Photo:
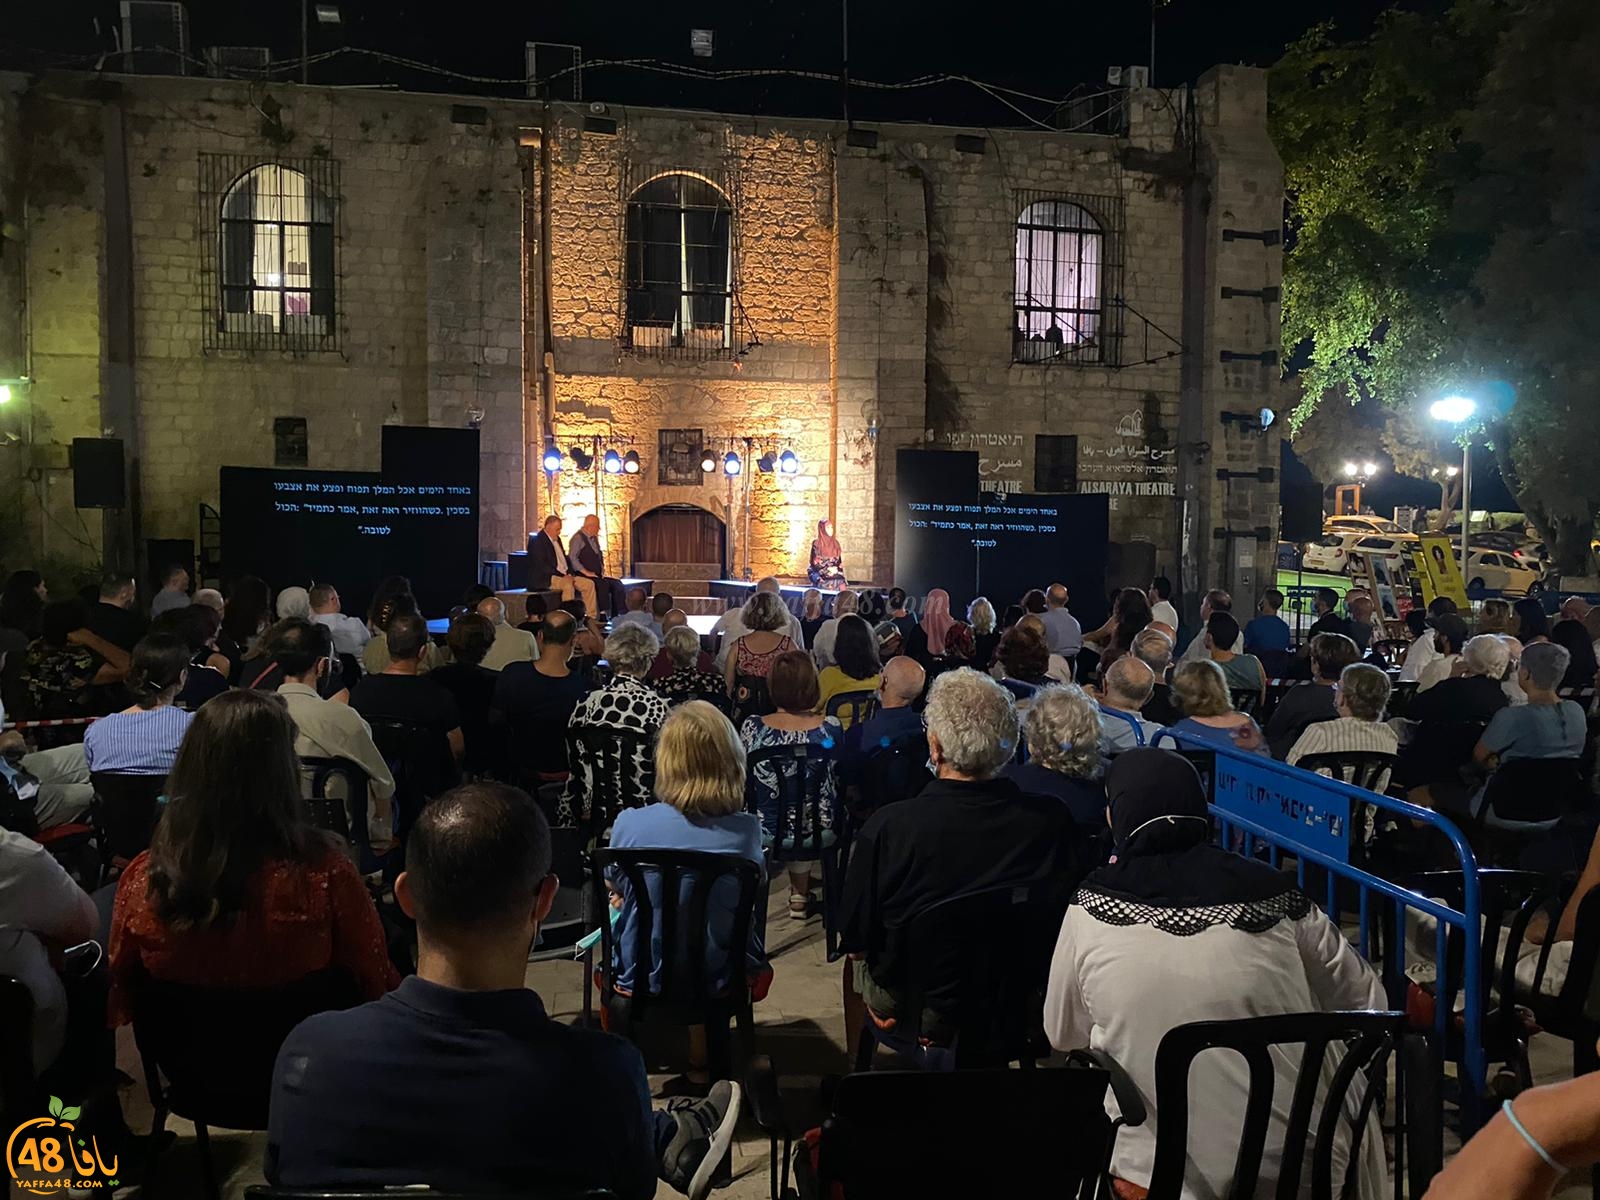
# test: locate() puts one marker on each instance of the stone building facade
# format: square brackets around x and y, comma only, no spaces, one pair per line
[479,268]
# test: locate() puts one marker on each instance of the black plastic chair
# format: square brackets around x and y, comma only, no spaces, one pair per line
[685,996]
[1245,700]
[342,810]
[260,1191]
[572,910]
[800,773]
[420,761]
[215,1048]
[1369,769]
[751,699]
[19,1094]
[1367,1038]
[611,769]
[971,1133]
[979,963]
[851,708]
[127,808]
[1532,791]
[894,771]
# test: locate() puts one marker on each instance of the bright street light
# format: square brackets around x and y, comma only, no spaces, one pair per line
[1453,410]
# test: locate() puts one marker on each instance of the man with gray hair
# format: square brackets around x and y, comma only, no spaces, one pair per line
[1062,632]
[1546,726]
[1214,601]
[1129,686]
[1154,649]
[967,830]
[510,643]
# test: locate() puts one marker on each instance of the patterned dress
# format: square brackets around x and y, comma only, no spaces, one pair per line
[625,703]
[758,735]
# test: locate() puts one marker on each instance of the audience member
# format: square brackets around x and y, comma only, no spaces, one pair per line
[1445,722]
[510,643]
[792,685]
[985,634]
[665,664]
[1242,672]
[872,608]
[700,772]
[400,693]
[375,655]
[1130,616]
[856,668]
[900,611]
[1508,681]
[350,634]
[536,699]
[1495,617]
[196,626]
[689,679]
[1571,636]
[464,1046]
[113,615]
[246,617]
[22,610]
[638,612]
[237,888]
[1305,704]
[1267,633]
[293,602]
[1362,629]
[1325,604]
[1545,727]
[900,687]
[754,652]
[1161,608]
[1533,623]
[144,739]
[890,642]
[1449,635]
[1423,649]
[1057,669]
[731,626]
[1591,626]
[967,830]
[1154,649]
[67,667]
[1034,603]
[925,640]
[1359,697]
[628,703]
[174,591]
[1062,732]
[326,728]
[1130,685]
[534,611]
[212,599]
[845,604]
[1214,601]
[1063,635]
[587,559]
[811,615]
[1202,694]
[1022,661]
[1139,955]
[472,685]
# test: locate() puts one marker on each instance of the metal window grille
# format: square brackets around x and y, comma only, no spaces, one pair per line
[678,457]
[680,265]
[1067,300]
[270,253]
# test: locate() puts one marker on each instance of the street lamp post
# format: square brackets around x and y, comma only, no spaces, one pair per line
[1457,411]
[1357,473]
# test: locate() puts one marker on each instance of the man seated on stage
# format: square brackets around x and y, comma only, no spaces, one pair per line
[548,569]
[587,559]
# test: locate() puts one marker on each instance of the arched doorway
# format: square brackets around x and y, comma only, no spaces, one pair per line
[680,534]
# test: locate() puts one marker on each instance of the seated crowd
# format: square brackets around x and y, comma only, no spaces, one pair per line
[938,757]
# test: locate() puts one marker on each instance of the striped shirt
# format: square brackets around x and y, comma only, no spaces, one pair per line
[1342,735]
[143,742]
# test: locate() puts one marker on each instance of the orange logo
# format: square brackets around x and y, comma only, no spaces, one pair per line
[46,1154]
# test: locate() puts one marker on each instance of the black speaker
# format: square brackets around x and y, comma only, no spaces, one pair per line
[98,477]
[1302,511]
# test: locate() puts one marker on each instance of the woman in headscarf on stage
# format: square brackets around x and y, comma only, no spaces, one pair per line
[1176,929]
[827,558]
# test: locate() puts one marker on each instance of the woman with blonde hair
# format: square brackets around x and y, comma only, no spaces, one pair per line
[812,618]
[1495,617]
[699,806]
[985,632]
[1201,691]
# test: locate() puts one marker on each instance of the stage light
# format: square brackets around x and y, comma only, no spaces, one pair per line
[766,462]
[630,462]
[731,464]
[708,460]
[613,463]
[552,458]
[581,459]
[789,463]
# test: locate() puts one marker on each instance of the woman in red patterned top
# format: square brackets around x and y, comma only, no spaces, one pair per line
[237,888]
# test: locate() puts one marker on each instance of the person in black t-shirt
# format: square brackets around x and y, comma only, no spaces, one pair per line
[113,617]
[399,693]
[473,686]
[1154,649]
[1306,704]
[1328,619]
[536,699]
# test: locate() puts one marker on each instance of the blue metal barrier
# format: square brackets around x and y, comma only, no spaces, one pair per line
[1256,798]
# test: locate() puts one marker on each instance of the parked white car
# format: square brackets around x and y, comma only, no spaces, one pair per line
[1332,553]
[1501,571]
[1354,523]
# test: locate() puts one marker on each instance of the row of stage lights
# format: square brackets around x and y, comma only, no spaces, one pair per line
[613,463]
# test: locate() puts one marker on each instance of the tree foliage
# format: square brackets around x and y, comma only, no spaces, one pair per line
[1443,210]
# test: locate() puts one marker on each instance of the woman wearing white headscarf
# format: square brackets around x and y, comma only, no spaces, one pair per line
[1176,930]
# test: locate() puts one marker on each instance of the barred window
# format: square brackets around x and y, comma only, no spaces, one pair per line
[273,253]
[1060,303]
[679,266]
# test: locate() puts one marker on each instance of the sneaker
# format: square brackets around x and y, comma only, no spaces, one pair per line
[701,1145]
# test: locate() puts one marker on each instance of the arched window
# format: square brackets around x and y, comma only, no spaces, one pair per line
[276,253]
[1060,312]
[679,265]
